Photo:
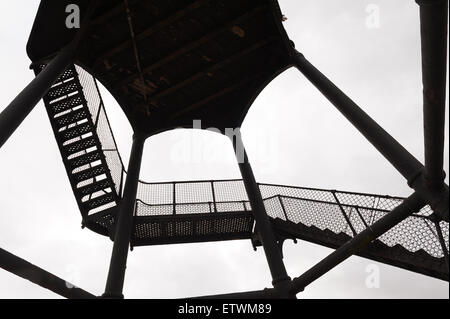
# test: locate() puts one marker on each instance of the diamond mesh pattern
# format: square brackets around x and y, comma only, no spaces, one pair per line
[193,192]
[320,215]
[102,127]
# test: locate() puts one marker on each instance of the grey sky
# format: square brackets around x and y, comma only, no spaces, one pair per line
[293,136]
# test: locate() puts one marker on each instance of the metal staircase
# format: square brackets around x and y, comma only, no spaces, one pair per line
[79,144]
[200,211]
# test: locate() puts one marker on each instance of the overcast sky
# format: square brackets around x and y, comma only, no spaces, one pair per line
[293,136]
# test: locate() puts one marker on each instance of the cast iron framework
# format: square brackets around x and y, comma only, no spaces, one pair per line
[411,233]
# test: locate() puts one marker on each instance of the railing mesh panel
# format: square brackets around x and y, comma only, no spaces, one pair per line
[103,128]
[337,211]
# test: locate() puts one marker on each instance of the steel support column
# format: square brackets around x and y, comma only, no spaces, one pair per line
[281,280]
[409,206]
[14,114]
[433,31]
[393,151]
[124,223]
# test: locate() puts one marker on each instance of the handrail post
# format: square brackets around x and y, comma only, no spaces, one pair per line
[347,219]
[282,207]
[174,199]
[214,197]
[124,222]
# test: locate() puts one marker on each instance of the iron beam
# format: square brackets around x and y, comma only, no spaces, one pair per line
[274,258]
[393,151]
[410,205]
[39,276]
[124,223]
[14,114]
[433,31]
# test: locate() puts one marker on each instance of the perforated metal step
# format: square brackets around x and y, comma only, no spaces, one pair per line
[80,147]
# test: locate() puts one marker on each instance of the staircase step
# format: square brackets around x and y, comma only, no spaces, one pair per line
[84,159]
[80,145]
[70,72]
[66,104]
[74,132]
[88,173]
[71,117]
[62,90]
[95,187]
[99,201]
[67,74]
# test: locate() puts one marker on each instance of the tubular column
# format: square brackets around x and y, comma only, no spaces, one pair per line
[281,280]
[124,223]
[433,31]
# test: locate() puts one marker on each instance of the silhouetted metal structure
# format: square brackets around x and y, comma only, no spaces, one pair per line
[169,63]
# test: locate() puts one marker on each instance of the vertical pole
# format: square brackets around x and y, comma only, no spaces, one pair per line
[124,222]
[14,114]
[433,31]
[278,271]
[174,199]
[214,196]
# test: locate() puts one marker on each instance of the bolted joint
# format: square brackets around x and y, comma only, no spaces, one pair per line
[283,288]
[434,181]
[434,194]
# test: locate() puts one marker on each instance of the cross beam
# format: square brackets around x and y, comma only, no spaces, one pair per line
[39,276]
[409,206]
[393,151]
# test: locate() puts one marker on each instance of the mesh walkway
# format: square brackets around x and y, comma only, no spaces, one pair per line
[182,212]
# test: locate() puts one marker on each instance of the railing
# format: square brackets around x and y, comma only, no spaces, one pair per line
[338,211]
